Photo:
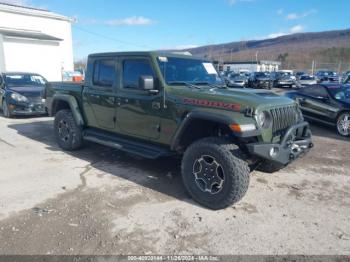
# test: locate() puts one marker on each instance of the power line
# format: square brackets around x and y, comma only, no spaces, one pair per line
[109,38]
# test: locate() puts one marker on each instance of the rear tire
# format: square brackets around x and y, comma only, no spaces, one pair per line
[214,173]
[68,134]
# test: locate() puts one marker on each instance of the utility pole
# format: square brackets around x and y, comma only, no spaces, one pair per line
[339,67]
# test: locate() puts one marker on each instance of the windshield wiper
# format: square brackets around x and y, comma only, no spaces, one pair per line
[188,84]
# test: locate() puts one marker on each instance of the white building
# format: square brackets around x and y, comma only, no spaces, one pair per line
[255,66]
[35,40]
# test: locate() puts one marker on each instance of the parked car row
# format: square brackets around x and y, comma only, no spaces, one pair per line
[281,79]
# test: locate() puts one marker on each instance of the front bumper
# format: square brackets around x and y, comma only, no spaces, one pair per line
[295,143]
[285,83]
[264,84]
[237,84]
[27,109]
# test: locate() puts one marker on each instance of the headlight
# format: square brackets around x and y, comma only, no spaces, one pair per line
[264,119]
[18,97]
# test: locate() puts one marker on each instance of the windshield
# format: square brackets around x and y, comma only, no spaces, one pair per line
[261,74]
[307,78]
[232,76]
[14,80]
[340,92]
[184,70]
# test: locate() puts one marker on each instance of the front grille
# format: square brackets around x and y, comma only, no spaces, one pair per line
[284,117]
[35,100]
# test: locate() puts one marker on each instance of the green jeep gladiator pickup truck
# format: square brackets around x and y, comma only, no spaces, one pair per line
[156,104]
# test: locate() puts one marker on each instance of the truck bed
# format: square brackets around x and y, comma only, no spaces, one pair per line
[68,88]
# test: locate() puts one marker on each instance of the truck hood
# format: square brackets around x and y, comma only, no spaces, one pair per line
[28,91]
[245,98]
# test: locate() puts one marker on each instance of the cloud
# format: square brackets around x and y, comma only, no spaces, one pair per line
[295,16]
[129,21]
[274,35]
[297,29]
[293,30]
[233,2]
[180,47]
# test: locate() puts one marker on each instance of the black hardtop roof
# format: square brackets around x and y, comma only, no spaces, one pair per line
[146,53]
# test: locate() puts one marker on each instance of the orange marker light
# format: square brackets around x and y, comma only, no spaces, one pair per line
[236,128]
[242,128]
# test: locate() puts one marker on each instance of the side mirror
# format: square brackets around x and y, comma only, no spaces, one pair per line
[146,83]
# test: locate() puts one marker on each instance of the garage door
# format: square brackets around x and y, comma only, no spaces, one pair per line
[36,56]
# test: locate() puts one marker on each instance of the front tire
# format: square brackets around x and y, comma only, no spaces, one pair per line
[214,173]
[6,110]
[68,134]
[343,124]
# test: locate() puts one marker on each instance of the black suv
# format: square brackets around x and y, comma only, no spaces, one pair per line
[260,80]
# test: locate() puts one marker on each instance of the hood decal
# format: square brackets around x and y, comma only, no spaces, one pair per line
[216,104]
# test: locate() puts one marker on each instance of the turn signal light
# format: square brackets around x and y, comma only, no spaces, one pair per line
[242,128]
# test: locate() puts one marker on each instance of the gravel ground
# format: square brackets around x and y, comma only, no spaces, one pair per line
[101,201]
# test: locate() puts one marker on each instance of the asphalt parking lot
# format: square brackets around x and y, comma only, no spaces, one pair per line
[101,201]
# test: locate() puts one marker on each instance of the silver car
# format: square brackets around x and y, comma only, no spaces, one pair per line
[306,80]
[237,80]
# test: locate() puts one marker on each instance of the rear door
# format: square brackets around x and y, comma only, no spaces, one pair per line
[99,96]
[138,112]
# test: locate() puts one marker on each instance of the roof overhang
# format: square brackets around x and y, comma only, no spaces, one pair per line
[27,34]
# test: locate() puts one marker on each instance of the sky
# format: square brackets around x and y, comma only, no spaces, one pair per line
[128,25]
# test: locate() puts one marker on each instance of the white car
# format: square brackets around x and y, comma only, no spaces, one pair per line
[306,80]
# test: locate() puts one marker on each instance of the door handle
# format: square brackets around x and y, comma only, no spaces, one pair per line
[95,96]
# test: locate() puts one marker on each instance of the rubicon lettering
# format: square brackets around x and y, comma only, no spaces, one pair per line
[218,104]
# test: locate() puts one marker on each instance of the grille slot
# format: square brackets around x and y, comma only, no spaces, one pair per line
[284,117]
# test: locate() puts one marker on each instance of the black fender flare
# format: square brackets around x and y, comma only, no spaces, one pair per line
[197,115]
[73,104]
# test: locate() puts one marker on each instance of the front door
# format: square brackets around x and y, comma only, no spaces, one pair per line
[315,102]
[138,111]
[100,96]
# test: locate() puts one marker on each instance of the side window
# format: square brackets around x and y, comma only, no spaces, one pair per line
[133,69]
[315,91]
[104,72]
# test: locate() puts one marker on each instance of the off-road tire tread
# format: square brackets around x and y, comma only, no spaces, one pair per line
[77,142]
[239,172]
